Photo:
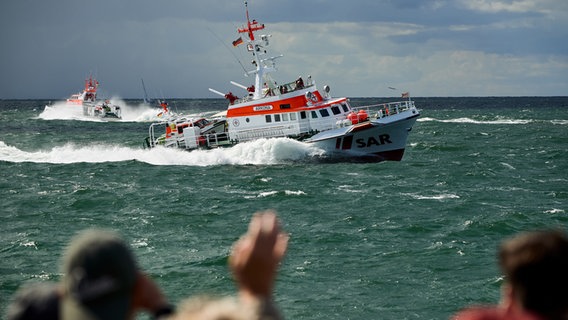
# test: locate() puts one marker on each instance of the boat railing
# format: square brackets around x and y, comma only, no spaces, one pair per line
[217,139]
[279,90]
[295,85]
[258,133]
[382,110]
[371,112]
[153,141]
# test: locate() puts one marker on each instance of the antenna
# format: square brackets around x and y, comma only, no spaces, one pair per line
[251,34]
[232,53]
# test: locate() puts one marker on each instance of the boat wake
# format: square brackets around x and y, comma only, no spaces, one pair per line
[130,113]
[61,111]
[259,152]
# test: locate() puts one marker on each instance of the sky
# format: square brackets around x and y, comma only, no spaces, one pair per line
[359,48]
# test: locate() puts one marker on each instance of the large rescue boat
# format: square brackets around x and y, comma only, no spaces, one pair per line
[87,99]
[297,109]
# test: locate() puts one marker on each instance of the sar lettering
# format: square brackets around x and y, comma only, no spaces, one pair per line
[372,141]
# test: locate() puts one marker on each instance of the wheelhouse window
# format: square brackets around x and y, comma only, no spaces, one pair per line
[314,114]
[268,118]
[293,116]
[345,107]
[303,115]
[324,113]
[284,117]
[335,109]
[276,118]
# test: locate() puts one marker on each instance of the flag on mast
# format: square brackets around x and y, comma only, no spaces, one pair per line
[238,41]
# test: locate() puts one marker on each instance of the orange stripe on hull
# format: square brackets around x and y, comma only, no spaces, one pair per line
[285,105]
[75,102]
[293,104]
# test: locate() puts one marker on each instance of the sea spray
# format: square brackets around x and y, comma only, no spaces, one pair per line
[262,151]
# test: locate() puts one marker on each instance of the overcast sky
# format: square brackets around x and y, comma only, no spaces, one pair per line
[358,47]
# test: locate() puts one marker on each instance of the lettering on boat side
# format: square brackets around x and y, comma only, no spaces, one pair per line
[262,108]
[371,141]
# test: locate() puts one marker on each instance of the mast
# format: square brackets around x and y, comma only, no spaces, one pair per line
[257,48]
[146,100]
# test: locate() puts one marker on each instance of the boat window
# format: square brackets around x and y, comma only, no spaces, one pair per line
[285,106]
[284,117]
[247,120]
[335,109]
[324,113]
[345,107]
[303,115]
[314,114]
[268,118]
[277,118]
[293,116]
[201,123]
[180,127]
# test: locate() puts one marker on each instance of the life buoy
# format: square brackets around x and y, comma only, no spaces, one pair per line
[362,115]
[353,118]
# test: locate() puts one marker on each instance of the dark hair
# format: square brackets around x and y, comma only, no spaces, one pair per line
[536,266]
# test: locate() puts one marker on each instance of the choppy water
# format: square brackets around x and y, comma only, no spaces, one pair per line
[396,240]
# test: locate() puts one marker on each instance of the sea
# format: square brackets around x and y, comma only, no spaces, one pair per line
[414,239]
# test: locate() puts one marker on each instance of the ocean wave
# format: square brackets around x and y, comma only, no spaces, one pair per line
[265,194]
[473,121]
[130,113]
[554,211]
[434,197]
[294,193]
[262,151]
[61,111]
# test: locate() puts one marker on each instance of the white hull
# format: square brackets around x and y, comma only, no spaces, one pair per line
[380,137]
[109,111]
[371,139]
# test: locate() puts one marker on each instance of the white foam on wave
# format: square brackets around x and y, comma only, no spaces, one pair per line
[554,211]
[469,120]
[435,197]
[265,194]
[507,165]
[263,151]
[130,113]
[62,111]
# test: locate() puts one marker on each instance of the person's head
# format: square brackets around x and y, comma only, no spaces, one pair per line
[99,277]
[34,302]
[536,269]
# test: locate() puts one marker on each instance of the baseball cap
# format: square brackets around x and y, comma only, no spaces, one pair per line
[99,276]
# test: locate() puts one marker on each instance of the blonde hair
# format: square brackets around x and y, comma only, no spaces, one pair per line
[208,308]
